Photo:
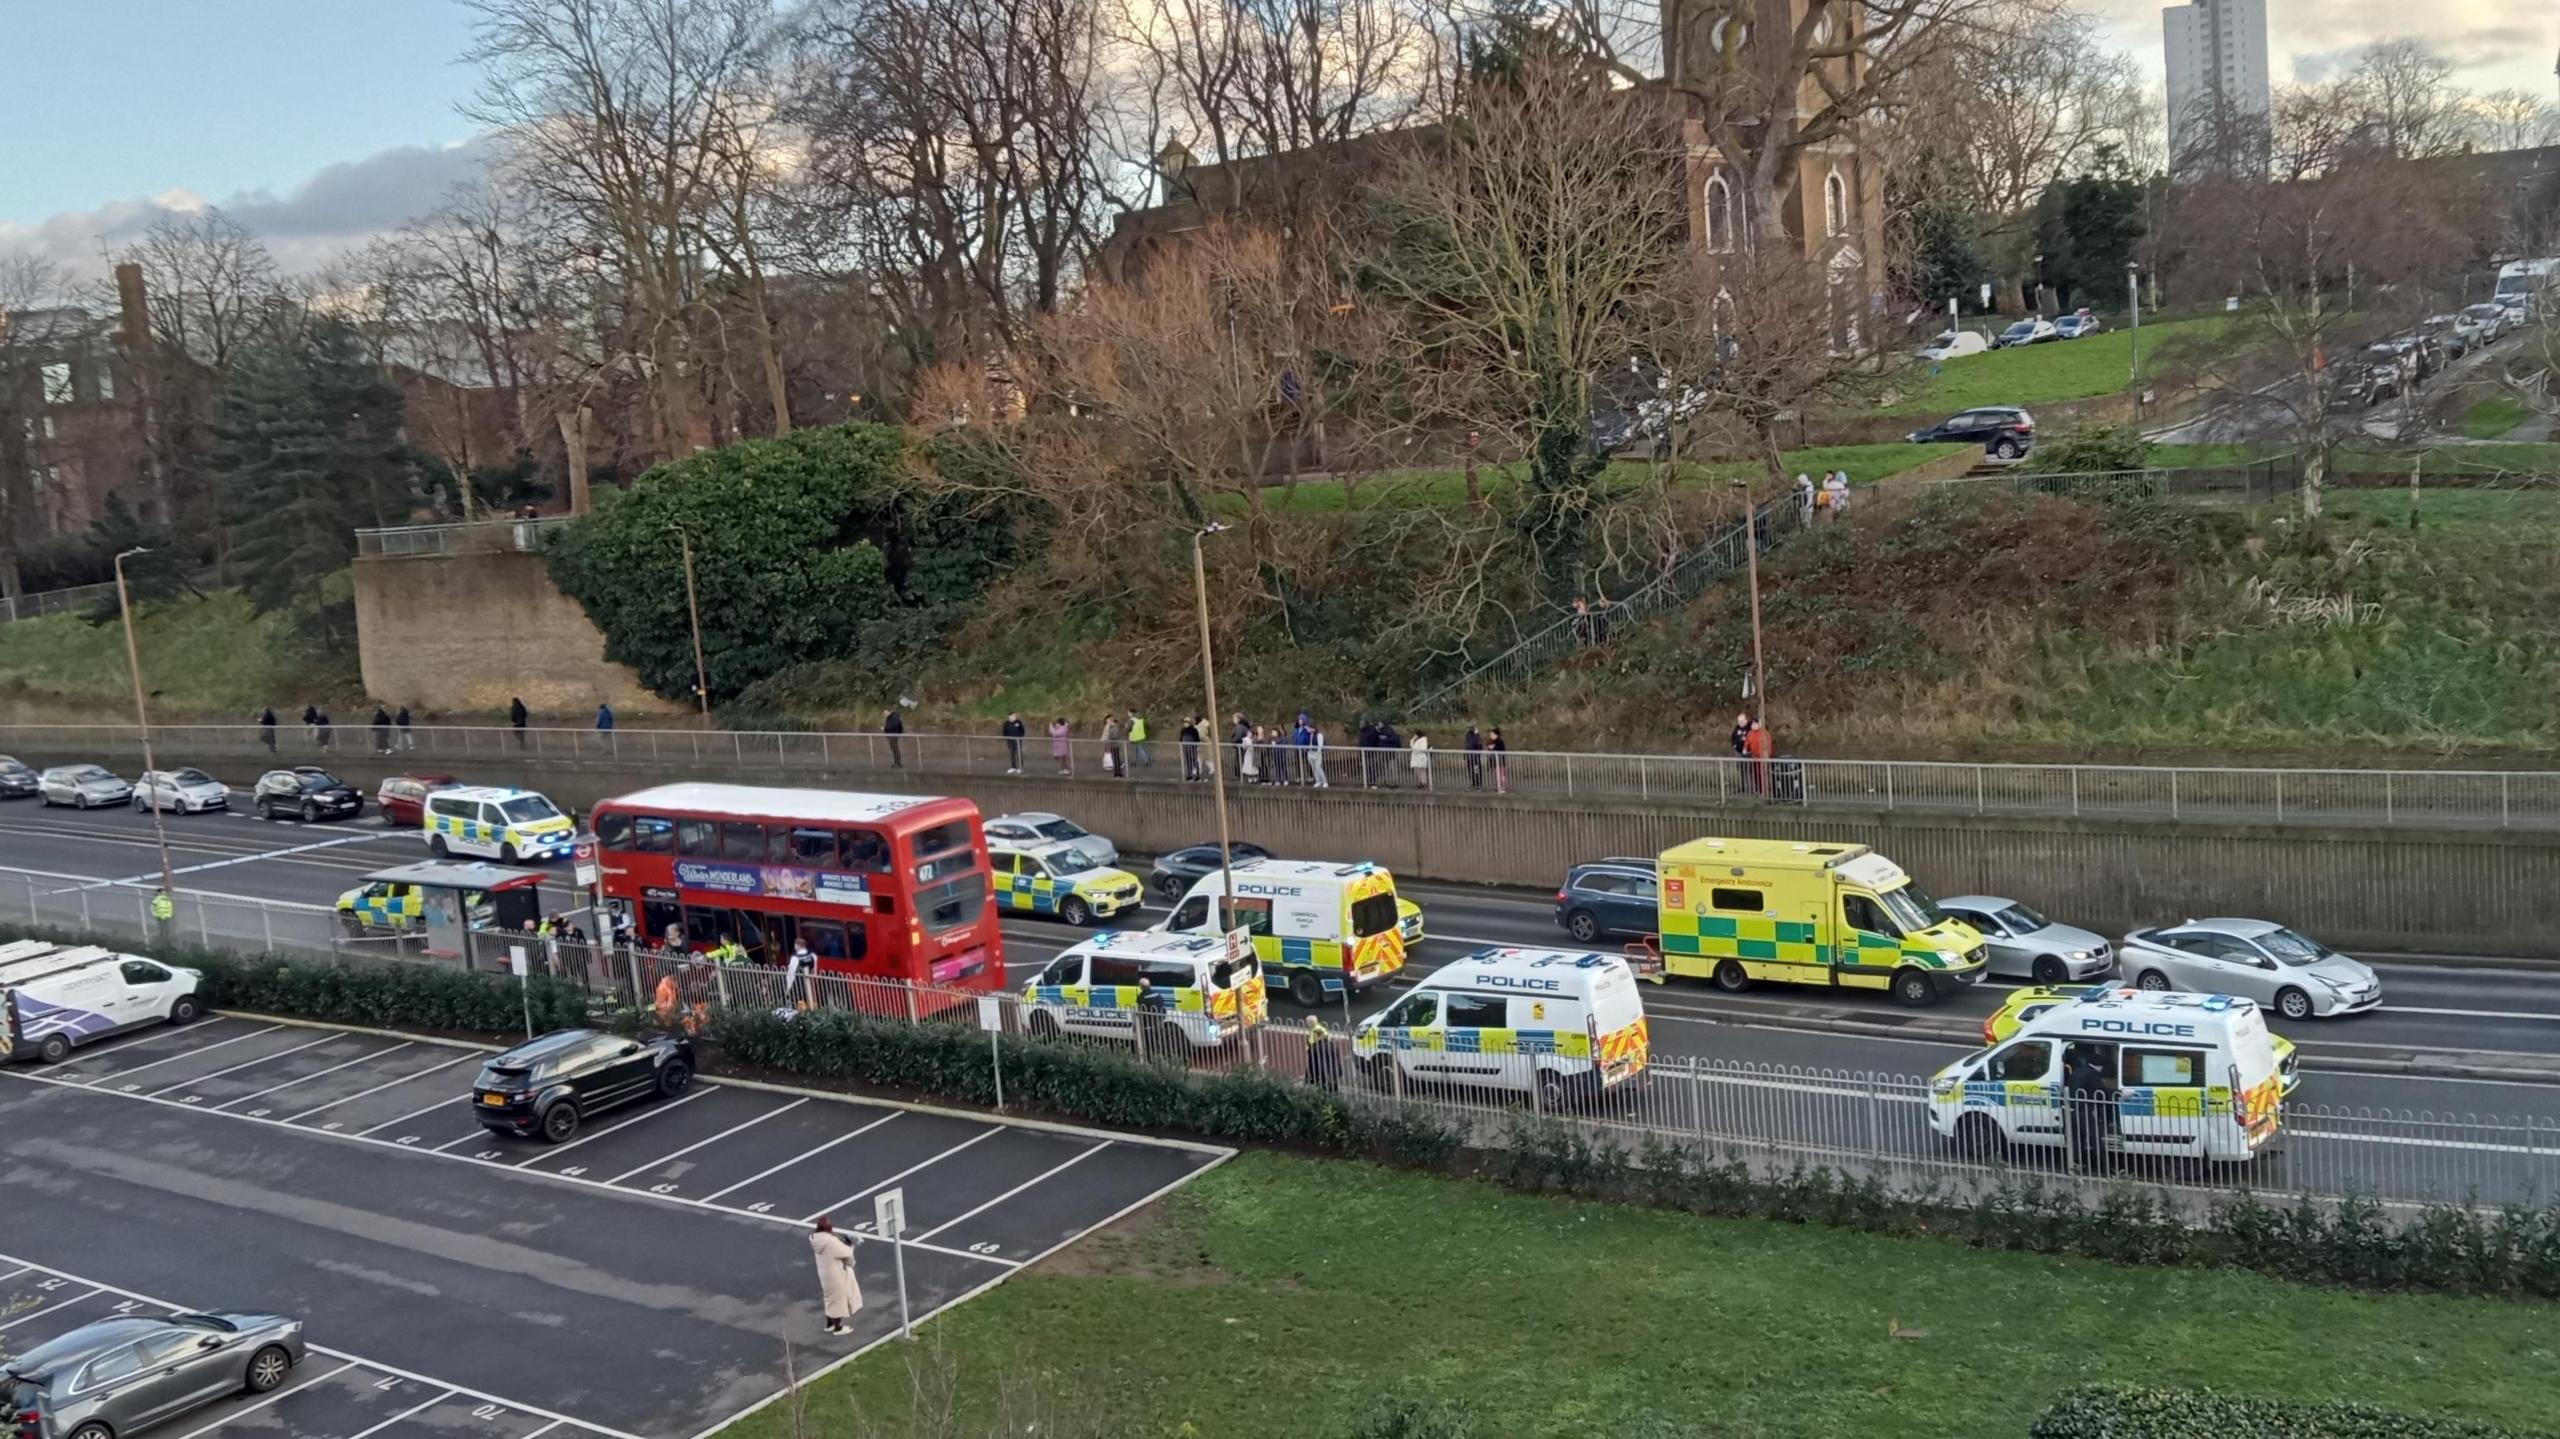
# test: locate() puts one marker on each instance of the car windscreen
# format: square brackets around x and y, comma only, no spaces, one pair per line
[1071,861]
[86,772]
[1912,908]
[1374,915]
[2021,920]
[319,779]
[527,809]
[2291,948]
[1061,829]
[189,776]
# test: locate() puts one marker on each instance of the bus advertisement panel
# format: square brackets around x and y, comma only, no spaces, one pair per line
[879,886]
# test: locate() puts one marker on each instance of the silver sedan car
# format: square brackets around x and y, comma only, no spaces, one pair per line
[1034,828]
[2294,975]
[109,1379]
[179,791]
[82,786]
[2026,945]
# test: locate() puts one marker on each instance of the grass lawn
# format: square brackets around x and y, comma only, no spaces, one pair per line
[2481,459]
[1280,1297]
[204,658]
[2493,417]
[1447,489]
[2041,374]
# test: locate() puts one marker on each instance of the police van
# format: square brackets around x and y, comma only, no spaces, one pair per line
[1567,1025]
[55,998]
[497,823]
[2194,1075]
[1176,989]
[398,908]
[1324,926]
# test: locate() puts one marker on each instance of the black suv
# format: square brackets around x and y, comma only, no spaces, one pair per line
[1610,896]
[17,781]
[306,792]
[2004,431]
[549,1086]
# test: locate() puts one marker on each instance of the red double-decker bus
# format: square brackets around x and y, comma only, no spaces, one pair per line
[882,886]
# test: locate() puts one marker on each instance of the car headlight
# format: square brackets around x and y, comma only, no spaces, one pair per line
[2084,954]
[1949,956]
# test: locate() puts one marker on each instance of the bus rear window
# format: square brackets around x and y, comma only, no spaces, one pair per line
[948,906]
[944,838]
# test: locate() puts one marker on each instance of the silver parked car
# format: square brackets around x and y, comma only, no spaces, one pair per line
[81,786]
[1034,828]
[2026,945]
[2296,976]
[109,1379]
[179,791]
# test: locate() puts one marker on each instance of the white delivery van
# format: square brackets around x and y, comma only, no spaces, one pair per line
[56,1000]
[1316,926]
[1568,1025]
[2194,1075]
[1184,988]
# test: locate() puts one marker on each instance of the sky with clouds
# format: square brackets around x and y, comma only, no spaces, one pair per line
[321,123]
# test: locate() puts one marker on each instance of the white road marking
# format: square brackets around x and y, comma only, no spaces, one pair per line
[403,1119]
[306,1079]
[244,1064]
[812,1216]
[430,1404]
[805,1154]
[650,1113]
[386,1084]
[1017,1189]
[182,1054]
[47,1308]
[153,876]
[256,1405]
[697,1144]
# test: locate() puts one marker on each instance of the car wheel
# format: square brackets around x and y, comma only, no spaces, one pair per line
[2154,981]
[1583,925]
[1380,1071]
[268,1368]
[185,1009]
[310,812]
[2005,449]
[1076,912]
[55,1049]
[1551,1096]
[435,846]
[352,926]
[2048,970]
[1170,887]
[1914,988]
[93,1430]
[559,1122]
[674,1078]
[139,804]
[1978,1137]
[1732,978]
[506,854]
[2293,1003]
[1306,989]
[265,810]
[1043,1026]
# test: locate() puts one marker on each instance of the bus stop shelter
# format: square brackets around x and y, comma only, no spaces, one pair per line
[514,897]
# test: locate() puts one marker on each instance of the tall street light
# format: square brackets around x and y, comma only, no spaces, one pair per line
[142,719]
[2133,292]
[1751,547]
[1217,762]
[693,612]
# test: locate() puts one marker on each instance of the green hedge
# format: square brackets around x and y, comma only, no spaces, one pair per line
[2126,1411]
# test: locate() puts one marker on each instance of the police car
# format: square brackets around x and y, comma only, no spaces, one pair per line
[503,824]
[1058,878]
[395,908]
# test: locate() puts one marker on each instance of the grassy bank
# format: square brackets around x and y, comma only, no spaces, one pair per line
[206,658]
[1447,489]
[1228,1312]
[2042,374]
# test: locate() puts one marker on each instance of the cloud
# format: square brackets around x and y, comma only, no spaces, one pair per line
[334,211]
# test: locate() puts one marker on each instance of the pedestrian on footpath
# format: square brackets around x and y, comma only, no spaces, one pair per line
[1475,758]
[839,1291]
[311,724]
[1248,763]
[1368,754]
[517,714]
[1060,749]
[1300,740]
[1324,1062]
[1315,757]
[1421,760]
[267,728]
[604,717]
[381,730]
[1191,748]
[1741,735]
[1140,752]
[1390,753]
[1242,731]
[1013,733]
[324,729]
[408,740]
[1760,746]
[1835,492]
[892,725]
[1111,744]
[1500,754]
[1804,499]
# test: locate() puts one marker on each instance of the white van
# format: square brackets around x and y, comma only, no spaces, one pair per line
[55,999]
[506,825]
[1319,925]
[1569,1025]
[1184,988]
[2194,1075]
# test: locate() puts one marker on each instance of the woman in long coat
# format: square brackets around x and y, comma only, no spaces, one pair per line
[841,1291]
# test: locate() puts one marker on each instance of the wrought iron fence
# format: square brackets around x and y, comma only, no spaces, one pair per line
[475,537]
[2492,799]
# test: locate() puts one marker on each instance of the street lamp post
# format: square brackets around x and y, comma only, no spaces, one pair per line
[1751,548]
[1217,762]
[2133,292]
[142,720]
[693,612]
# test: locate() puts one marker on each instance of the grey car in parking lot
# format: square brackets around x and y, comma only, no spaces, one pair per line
[117,1376]
[2026,945]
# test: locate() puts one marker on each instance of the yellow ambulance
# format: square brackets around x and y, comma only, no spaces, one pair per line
[1789,912]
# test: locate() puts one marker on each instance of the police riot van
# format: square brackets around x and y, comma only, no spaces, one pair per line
[499,823]
[55,998]
[1169,990]
[2194,1075]
[1324,926]
[1567,1025]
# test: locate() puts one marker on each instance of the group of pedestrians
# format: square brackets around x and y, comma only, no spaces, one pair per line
[1830,497]
[1752,745]
[1301,754]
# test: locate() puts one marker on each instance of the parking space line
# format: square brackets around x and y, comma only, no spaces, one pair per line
[430,1404]
[812,1216]
[14,1273]
[697,1144]
[536,1434]
[182,1054]
[404,1118]
[1017,1189]
[804,1154]
[244,1064]
[280,1393]
[44,1309]
[377,1089]
[698,1092]
[306,1079]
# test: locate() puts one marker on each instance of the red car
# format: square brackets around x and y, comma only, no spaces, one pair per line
[404,796]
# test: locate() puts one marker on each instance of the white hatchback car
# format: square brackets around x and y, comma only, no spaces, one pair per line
[180,791]
[2288,972]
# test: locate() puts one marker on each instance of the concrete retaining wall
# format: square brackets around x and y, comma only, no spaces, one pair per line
[468,632]
[2477,892]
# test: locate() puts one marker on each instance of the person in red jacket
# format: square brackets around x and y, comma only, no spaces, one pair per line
[1759,745]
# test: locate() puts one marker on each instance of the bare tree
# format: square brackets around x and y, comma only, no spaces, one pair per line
[211,283]
[2403,97]
[2512,120]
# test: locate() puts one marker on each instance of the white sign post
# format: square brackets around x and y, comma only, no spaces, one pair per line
[889,1214]
[524,985]
[991,1019]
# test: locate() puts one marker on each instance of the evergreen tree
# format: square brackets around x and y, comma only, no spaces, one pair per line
[2087,227]
[308,450]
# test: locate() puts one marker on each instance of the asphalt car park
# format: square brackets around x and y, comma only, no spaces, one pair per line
[643,1279]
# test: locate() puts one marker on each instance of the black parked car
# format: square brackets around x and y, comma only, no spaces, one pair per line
[1610,896]
[17,780]
[550,1086]
[2004,431]
[306,792]
[1173,873]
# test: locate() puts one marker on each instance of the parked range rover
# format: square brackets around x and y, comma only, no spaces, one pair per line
[550,1086]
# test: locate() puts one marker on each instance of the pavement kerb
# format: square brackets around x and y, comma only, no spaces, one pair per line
[798,1091]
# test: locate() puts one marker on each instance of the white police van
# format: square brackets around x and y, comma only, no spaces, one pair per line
[1567,1025]
[55,998]
[2194,1075]
[1196,991]
[503,824]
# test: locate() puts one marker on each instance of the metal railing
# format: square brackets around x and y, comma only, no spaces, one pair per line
[2455,799]
[1764,1121]
[55,602]
[477,537]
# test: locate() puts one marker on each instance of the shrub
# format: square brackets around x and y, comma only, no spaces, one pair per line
[2126,1411]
